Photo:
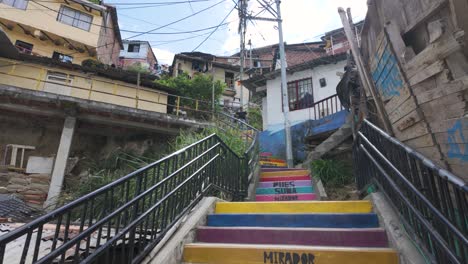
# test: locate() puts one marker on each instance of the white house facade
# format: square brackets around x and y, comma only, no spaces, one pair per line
[305,88]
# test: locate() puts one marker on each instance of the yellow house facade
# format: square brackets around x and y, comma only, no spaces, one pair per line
[70,31]
[81,85]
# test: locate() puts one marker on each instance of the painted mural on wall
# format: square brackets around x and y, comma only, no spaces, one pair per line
[273,139]
[385,70]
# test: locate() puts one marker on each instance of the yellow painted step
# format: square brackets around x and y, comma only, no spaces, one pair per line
[293,207]
[284,173]
[271,254]
[273,163]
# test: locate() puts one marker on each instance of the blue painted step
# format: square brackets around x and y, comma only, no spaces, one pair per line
[289,190]
[296,220]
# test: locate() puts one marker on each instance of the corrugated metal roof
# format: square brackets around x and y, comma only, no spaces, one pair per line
[14,208]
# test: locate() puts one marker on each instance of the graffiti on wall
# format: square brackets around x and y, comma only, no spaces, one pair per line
[455,150]
[386,72]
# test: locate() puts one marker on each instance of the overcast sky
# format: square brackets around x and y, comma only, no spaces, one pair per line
[304,20]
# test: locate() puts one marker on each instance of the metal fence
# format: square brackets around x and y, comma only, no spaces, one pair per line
[326,107]
[431,201]
[124,220]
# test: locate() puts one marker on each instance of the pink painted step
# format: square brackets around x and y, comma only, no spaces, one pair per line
[279,169]
[286,197]
[285,178]
[285,184]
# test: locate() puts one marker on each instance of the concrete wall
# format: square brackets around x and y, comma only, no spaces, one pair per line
[43,18]
[33,77]
[274,98]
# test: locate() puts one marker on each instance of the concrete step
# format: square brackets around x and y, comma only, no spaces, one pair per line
[274,254]
[285,178]
[283,190]
[285,184]
[286,197]
[308,207]
[295,220]
[339,237]
[284,173]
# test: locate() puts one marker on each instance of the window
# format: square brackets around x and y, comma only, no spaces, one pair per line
[62,57]
[229,79]
[300,94]
[24,47]
[75,18]
[257,64]
[20,4]
[58,83]
[133,48]
[323,82]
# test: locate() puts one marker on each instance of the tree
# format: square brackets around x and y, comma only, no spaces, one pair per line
[139,67]
[200,87]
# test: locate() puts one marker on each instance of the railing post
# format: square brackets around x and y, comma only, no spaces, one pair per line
[178,105]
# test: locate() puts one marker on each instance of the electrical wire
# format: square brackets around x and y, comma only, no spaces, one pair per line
[212,32]
[176,21]
[176,33]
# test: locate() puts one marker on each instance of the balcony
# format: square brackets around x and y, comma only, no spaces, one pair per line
[77,84]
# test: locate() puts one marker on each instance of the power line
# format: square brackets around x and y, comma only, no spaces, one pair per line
[196,13]
[216,28]
[176,33]
[156,3]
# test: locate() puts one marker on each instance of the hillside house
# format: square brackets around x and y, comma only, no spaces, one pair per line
[224,69]
[52,110]
[68,31]
[313,70]
[136,52]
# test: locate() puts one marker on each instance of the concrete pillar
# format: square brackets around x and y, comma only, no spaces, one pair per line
[58,173]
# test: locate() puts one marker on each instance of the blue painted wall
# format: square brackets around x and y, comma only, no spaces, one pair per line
[273,140]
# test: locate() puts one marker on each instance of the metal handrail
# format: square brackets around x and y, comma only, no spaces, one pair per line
[139,208]
[431,201]
[329,105]
[442,172]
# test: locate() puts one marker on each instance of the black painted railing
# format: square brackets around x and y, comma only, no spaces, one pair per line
[327,106]
[430,200]
[124,220]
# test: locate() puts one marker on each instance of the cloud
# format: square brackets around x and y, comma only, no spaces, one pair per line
[164,56]
[303,20]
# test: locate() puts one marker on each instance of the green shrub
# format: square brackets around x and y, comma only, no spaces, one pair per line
[333,173]
[255,117]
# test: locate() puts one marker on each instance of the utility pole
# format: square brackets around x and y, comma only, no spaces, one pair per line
[276,14]
[242,29]
[364,74]
[284,89]
[250,53]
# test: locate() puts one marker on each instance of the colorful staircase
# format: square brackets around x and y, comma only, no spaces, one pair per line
[286,226]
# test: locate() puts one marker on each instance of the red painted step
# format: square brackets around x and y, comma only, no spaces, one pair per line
[285,178]
[336,237]
[286,197]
